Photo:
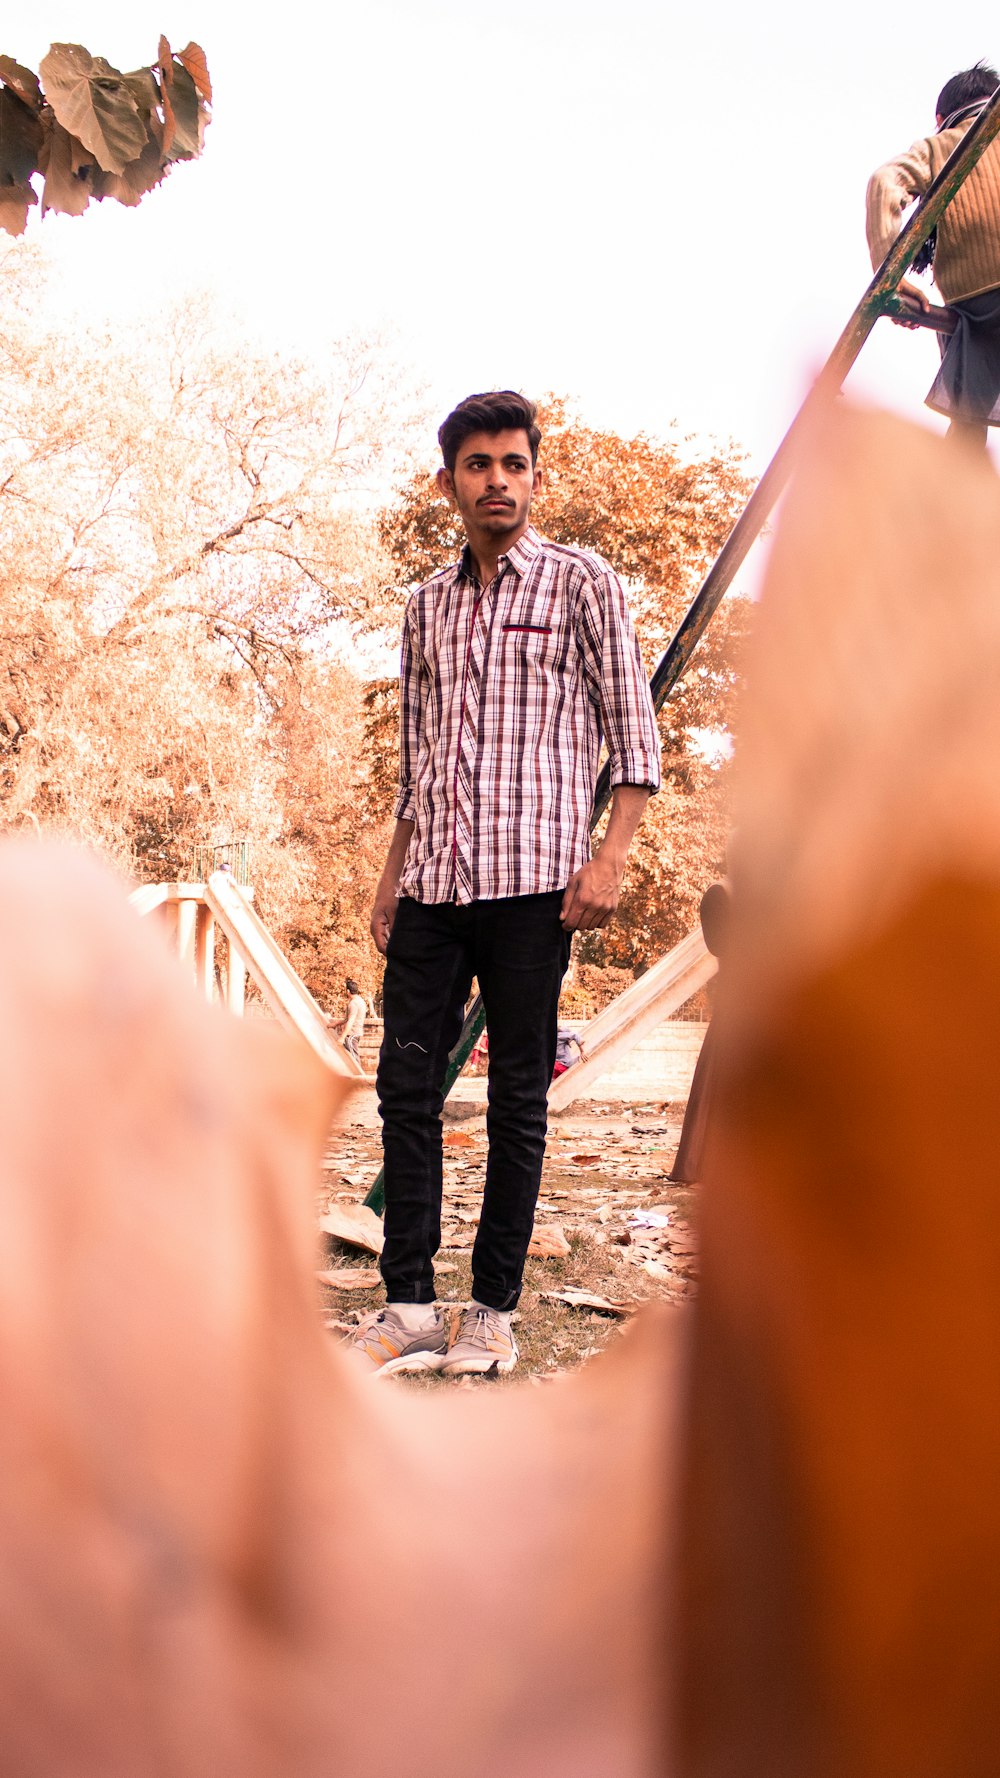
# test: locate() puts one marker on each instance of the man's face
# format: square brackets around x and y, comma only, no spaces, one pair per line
[492,484]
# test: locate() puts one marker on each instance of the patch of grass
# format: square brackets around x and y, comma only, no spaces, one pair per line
[551,1337]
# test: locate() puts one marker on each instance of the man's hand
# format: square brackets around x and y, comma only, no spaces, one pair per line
[387,893]
[915,297]
[591,895]
[592,892]
[383,915]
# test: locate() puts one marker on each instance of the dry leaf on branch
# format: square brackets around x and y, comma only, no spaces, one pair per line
[93,102]
[355,1225]
[21,81]
[193,59]
[15,202]
[189,122]
[95,132]
[67,168]
[20,140]
[183,117]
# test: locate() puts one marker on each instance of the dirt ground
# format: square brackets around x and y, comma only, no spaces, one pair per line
[616,1228]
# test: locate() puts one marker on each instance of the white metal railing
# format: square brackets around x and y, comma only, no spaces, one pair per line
[194,911]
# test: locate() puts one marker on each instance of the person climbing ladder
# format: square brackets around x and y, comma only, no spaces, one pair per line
[964,251]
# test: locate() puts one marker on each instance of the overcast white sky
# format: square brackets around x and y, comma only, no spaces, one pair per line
[652,207]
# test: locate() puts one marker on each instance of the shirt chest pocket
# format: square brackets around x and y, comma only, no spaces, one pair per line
[527,646]
[531,646]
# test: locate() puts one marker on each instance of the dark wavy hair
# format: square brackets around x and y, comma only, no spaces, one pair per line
[980,82]
[498,410]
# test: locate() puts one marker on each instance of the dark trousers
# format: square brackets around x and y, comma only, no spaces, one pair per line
[519,953]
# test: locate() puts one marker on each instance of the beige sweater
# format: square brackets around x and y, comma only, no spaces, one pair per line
[967,258]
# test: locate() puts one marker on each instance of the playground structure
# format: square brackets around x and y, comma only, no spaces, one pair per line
[636,1012]
[671,980]
[192,912]
[758,1541]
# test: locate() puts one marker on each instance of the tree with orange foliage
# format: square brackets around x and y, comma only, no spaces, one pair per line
[184,549]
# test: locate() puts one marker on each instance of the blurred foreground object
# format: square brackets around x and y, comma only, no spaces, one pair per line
[841,1544]
[219,1554]
[93,132]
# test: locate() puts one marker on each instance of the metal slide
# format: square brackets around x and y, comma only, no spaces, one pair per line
[636,1012]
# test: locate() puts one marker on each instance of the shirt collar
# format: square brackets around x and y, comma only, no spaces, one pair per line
[520,555]
[964,114]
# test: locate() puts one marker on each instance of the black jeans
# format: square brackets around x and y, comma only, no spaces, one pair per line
[519,952]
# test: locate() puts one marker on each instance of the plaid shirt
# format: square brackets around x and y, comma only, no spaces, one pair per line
[506,693]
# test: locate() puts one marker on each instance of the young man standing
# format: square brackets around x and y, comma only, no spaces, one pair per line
[516,662]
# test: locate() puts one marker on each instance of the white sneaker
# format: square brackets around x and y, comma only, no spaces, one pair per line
[483,1344]
[384,1347]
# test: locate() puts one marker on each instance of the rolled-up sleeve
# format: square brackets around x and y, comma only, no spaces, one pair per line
[409,709]
[617,678]
[890,193]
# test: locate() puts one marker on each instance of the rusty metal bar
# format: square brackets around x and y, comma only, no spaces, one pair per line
[879,299]
[875,302]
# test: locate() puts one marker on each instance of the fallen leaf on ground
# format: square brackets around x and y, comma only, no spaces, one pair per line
[654,1269]
[586,1299]
[584,1160]
[458,1139]
[351,1278]
[682,1240]
[355,1225]
[549,1243]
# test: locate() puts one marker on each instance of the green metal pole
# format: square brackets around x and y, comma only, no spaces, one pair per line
[879,299]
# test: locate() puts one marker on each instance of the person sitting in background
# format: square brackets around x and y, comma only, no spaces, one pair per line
[567,1050]
[964,251]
